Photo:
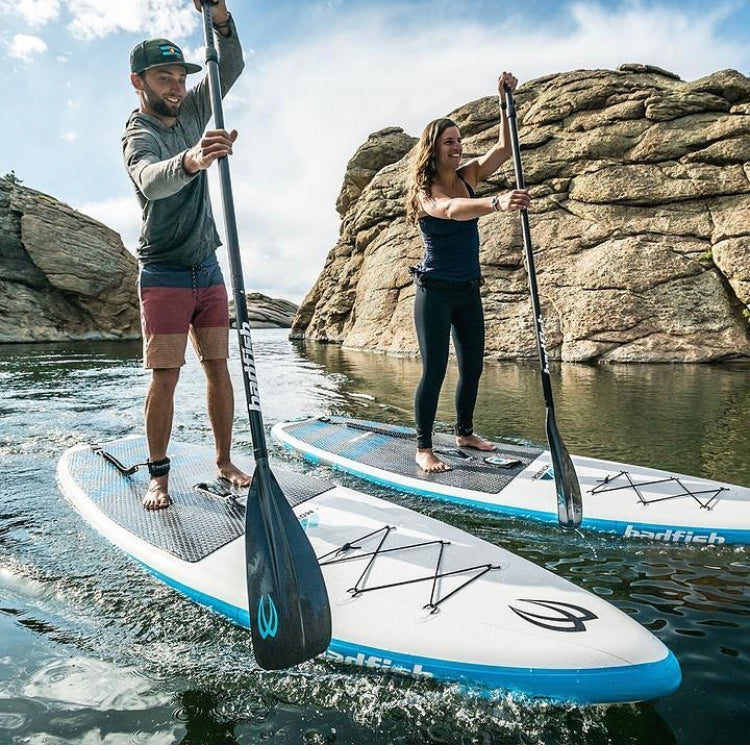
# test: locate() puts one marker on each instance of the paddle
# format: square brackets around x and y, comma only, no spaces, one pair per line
[569,505]
[290,618]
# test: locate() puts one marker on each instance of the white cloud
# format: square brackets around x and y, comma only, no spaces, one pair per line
[88,19]
[69,137]
[121,214]
[99,18]
[24,47]
[33,12]
[193,55]
[233,102]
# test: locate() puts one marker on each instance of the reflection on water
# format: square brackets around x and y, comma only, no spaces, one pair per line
[688,418]
[93,650]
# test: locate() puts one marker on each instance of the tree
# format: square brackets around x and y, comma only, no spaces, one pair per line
[11,177]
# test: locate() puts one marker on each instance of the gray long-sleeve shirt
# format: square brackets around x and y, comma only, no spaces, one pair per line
[177,224]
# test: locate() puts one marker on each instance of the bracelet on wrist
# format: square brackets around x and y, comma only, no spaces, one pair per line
[495,203]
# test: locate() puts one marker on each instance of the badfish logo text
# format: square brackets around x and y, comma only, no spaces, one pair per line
[268,618]
[674,535]
[248,365]
[568,618]
[381,663]
[543,345]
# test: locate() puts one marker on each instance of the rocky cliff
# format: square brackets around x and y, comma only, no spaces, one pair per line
[66,277]
[640,222]
[63,275]
[265,312]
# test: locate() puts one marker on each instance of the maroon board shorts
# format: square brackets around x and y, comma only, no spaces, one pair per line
[176,302]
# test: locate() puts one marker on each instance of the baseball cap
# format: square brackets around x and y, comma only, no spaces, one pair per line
[155,53]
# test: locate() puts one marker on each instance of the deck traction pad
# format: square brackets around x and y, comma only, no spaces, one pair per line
[196,524]
[392,448]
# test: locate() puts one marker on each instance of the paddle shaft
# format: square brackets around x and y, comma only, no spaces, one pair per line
[290,617]
[529,253]
[568,490]
[249,375]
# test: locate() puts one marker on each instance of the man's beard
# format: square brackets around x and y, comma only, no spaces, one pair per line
[159,105]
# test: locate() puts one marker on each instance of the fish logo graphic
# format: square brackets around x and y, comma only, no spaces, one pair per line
[311,521]
[545,473]
[567,617]
[268,618]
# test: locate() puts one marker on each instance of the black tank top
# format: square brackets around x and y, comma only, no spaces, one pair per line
[451,248]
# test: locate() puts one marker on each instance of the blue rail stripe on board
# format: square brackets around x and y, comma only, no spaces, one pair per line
[586,685]
[611,526]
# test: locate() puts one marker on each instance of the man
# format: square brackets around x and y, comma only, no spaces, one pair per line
[181,287]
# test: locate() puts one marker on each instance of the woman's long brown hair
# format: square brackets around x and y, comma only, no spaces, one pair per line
[422,172]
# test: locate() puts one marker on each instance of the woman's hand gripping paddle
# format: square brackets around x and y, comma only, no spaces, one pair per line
[290,617]
[569,504]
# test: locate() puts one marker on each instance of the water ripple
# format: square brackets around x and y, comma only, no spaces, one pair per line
[99,652]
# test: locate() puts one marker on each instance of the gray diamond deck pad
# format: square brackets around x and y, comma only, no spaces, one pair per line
[392,448]
[198,522]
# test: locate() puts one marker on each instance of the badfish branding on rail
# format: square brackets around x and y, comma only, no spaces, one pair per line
[543,344]
[248,365]
[381,663]
[674,535]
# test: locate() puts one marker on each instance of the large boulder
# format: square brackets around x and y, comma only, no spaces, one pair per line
[379,150]
[264,312]
[63,275]
[640,224]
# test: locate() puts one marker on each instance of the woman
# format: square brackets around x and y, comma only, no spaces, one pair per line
[442,200]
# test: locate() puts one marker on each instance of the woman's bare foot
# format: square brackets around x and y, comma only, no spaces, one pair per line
[475,442]
[157,495]
[427,461]
[238,478]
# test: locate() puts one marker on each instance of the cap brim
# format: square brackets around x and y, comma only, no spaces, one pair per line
[189,67]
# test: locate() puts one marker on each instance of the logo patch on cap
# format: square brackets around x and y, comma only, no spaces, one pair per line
[169,51]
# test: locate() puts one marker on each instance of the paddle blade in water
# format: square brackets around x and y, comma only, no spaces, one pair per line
[569,503]
[290,617]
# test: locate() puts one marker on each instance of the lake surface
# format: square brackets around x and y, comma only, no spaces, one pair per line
[93,650]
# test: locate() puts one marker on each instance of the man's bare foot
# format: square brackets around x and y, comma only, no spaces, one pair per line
[475,442]
[227,471]
[427,461]
[157,496]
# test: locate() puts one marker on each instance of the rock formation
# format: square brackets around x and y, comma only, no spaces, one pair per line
[63,275]
[265,312]
[640,223]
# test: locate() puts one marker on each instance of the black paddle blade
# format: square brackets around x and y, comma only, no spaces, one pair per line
[569,503]
[290,617]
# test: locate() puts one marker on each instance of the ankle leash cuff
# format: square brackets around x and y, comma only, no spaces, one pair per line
[159,468]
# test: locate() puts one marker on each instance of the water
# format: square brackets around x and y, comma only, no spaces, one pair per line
[93,650]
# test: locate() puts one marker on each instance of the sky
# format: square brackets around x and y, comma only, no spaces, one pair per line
[320,77]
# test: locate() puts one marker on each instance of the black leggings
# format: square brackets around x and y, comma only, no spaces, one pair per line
[440,307]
